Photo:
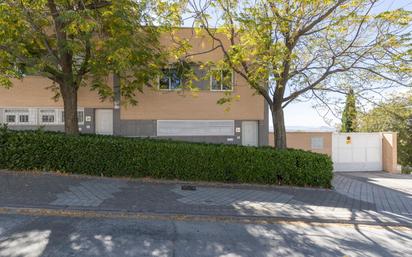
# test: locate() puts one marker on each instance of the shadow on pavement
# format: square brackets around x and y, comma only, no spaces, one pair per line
[22,236]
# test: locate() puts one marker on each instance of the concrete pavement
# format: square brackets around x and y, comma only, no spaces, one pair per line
[51,236]
[368,198]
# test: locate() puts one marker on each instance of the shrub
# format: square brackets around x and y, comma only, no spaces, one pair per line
[161,159]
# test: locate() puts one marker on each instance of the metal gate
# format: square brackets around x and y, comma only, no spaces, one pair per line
[357,151]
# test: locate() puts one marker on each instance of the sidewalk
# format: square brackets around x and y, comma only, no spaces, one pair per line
[357,198]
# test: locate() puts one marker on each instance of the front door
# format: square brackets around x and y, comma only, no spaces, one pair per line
[250,133]
[104,121]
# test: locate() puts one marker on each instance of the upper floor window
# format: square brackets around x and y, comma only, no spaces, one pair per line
[170,79]
[221,80]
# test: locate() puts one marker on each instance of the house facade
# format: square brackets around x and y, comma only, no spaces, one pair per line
[164,112]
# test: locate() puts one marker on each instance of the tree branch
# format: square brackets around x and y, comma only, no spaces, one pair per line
[310,26]
[84,67]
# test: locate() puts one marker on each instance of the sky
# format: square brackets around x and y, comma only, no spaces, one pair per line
[302,114]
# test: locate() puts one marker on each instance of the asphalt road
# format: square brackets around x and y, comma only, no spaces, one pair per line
[33,236]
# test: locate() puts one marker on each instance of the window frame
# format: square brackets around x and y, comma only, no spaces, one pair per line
[14,119]
[24,115]
[52,112]
[170,81]
[232,80]
[79,110]
[17,113]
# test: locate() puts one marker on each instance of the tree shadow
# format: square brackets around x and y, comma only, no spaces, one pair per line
[398,183]
[64,236]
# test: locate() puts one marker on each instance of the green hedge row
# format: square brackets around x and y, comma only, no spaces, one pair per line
[161,159]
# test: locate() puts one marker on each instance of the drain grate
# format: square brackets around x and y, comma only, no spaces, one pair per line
[188,187]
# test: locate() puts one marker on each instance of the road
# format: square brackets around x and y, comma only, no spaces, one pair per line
[63,236]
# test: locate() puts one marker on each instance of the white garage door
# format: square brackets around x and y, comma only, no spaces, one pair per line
[357,151]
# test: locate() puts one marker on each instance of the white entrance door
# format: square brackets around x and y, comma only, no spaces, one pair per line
[250,133]
[357,151]
[104,122]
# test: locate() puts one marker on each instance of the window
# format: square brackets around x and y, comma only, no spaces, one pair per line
[170,80]
[24,118]
[317,143]
[48,116]
[36,116]
[10,118]
[80,117]
[221,80]
[17,116]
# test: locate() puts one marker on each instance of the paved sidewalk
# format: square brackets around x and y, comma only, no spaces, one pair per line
[376,198]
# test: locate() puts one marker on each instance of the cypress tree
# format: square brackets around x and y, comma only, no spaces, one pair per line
[349,114]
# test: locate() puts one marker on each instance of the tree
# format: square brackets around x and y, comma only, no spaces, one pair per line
[287,50]
[395,114]
[349,115]
[79,43]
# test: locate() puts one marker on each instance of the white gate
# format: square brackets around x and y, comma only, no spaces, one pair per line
[357,151]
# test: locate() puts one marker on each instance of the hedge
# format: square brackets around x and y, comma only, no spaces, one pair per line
[161,159]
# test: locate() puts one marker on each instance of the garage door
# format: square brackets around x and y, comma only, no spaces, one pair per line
[357,151]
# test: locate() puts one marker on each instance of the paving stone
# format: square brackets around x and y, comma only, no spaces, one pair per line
[355,196]
[85,194]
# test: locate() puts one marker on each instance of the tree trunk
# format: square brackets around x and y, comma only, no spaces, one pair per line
[69,95]
[279,129]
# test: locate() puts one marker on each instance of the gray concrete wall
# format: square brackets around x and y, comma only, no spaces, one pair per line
[133,128]
[89,126]
[148,128]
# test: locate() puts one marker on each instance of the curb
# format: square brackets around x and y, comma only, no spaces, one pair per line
[77,213]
